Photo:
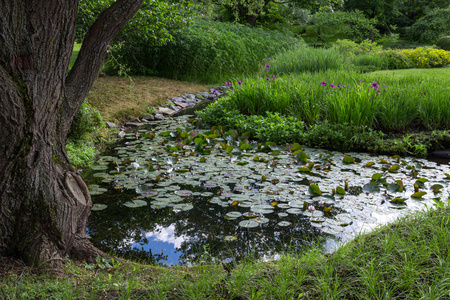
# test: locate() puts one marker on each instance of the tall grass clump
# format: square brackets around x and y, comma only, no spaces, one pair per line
[206,51]
[387,103]
[306,59]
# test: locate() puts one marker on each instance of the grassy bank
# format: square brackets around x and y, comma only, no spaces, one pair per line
[395,112]
[409,259]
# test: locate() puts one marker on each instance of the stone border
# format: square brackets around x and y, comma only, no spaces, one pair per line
[173,106]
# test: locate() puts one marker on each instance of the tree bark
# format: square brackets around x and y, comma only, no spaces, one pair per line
[44,203]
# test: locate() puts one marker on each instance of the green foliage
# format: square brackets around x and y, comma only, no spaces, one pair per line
[352,24]
[87,120]
[432,26]
[337,98]
[350,47]
[151,24]
[306,59]
[206,51]
[444,43]
[428,57]
[369,62]
[81,153]
[397,60]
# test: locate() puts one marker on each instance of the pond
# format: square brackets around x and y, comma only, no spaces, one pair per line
[178,195]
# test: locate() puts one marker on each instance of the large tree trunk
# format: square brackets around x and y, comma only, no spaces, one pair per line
[44,203]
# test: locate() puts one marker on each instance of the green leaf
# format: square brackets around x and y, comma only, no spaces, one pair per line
[294,147]
[394,168]
[418,194]
[421,182]
[300,155]
[369,164]
[398,200]
[304,169]
[348,159]
[340,190]
[437,187]
[376,176]
[245,147]
[314,188]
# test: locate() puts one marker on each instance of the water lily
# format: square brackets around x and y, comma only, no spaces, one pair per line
[311,208]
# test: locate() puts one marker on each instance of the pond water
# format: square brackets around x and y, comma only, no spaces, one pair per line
[178,195]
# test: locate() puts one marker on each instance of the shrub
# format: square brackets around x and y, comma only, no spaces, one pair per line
[87,120]
[397,59]
[353,48]
[206,51]
[352,24]
[444,43]
[428,57]
[430,27]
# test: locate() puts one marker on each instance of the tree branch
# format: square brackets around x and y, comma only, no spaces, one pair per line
[92,53]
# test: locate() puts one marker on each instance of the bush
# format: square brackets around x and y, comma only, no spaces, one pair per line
[352,48]
[87,120]
[428,57]
[397,59]
[206,51]
[444,43]
[430,27]
[352,24]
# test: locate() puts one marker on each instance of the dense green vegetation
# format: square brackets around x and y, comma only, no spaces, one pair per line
[205,51]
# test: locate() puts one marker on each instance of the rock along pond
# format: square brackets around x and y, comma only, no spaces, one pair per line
[177,195]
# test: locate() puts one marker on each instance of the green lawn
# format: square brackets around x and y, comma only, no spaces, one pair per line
[438,73]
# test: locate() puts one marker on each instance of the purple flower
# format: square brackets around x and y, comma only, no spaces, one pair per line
[347,87]
[370,100]
[267,78]
[339,86]
[264,59]
[269,58]
[323,83]
[361,81]
[240,82]
[274,76]
[267,66]
[332,85]
[214,91]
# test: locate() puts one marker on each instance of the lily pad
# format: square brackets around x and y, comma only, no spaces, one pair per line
[284,223]
[97,207]
[184,193]
[135,203]
[248,224]
[233,214]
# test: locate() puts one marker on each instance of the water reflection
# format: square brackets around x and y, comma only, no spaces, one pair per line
[176,237]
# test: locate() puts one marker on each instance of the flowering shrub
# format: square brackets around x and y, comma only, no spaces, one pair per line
[428,57]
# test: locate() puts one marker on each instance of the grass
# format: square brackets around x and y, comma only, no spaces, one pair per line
[119,99]
[408,259]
